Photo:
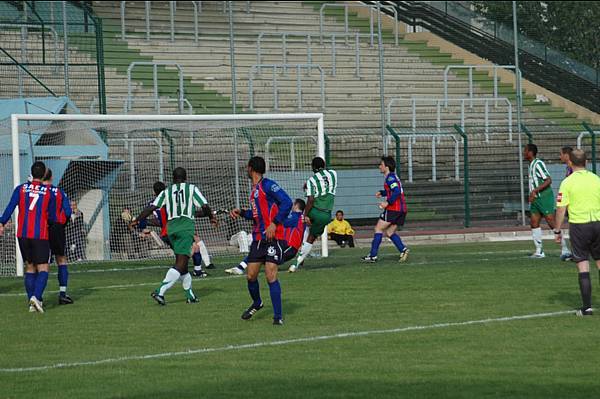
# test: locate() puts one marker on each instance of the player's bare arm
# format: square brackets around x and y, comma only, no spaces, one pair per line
[309,204]
[547,183]
[143,215]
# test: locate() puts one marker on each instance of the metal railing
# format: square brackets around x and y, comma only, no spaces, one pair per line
[470,69]
[439,104]
[44,28]
[284,139]
[371,8]
[254,70]
[127,101]
[154,66]
[435,139]
[172,11]
[129,145]
[309,42]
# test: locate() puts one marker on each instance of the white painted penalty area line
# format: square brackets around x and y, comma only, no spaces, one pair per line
[255,345]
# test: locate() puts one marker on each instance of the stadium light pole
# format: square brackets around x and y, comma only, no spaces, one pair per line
[234,104]
[519,106]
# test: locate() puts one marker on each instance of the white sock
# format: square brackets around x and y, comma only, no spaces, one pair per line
[565,247]
[243,242]
[204,253]
[186,283]
[243,265]
[537,239]
[197,268]
[304,251]
[170,279]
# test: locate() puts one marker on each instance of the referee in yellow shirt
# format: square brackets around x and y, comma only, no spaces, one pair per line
[580,195]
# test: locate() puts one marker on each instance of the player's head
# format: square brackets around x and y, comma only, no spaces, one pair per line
[47,176]
[317,164]
[179,175]
[578,158]
[299,205]
[339,215]
[159,187]
[256,165]
[38,170]
[387,164]
[565,153]
[530,151]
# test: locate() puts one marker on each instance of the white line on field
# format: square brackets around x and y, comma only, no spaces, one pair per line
[282,342]
[108,287]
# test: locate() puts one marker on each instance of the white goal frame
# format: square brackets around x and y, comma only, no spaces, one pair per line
[15,118]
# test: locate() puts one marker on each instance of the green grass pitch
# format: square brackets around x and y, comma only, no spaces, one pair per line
[352,331]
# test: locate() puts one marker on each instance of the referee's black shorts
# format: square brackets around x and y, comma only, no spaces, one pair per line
[58,240]
[585,241]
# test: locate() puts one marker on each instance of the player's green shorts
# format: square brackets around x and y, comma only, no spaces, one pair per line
[181,234]
[318,221]
[544,204]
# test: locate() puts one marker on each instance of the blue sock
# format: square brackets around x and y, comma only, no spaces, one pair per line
[397,242]
[375,244]
[254,290]
[63,279]
[275,290]
[30,284]
[40,285]
[197,258]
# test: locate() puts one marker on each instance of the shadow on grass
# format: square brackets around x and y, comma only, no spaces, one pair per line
[568,298]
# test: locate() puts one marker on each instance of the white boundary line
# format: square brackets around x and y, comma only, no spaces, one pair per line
[229,348]
[443,262]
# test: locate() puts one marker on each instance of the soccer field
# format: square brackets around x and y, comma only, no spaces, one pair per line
[469,320]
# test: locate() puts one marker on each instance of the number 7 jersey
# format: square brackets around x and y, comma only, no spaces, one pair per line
[36,209]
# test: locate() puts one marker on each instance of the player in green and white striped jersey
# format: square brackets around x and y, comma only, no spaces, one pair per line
[182,202]
[320,190]
[541,200]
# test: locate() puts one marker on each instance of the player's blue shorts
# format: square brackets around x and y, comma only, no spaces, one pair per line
[393,217]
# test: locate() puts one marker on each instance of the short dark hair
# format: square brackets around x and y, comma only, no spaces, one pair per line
[158,187]
[38,170]
[179,174]
[578,158]
[339,211]
[317,163]
[47,175]
[389,162]
[257,164]
[532,148]
[300,202]
[566,150]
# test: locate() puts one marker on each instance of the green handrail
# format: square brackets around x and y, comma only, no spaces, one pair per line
[396,137]
[327,150]
[100,62]
[169,139]
[593,134]
[248,135]
[465,173]
[527,133]
[18,64]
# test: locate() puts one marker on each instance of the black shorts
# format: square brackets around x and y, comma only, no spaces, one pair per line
[267,251]
[585,241]
[35,251]
[58,241]
[289,253]
[393,217]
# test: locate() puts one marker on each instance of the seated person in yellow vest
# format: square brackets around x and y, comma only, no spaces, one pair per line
[340,231]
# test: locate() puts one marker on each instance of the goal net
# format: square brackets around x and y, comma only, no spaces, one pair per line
[107,165]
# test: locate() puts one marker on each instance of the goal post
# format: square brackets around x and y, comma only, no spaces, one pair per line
[107,164]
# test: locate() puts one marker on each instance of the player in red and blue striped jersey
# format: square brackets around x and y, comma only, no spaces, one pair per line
[293,233]
[57,236]
[36,210]
[394,211]
[270,206]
